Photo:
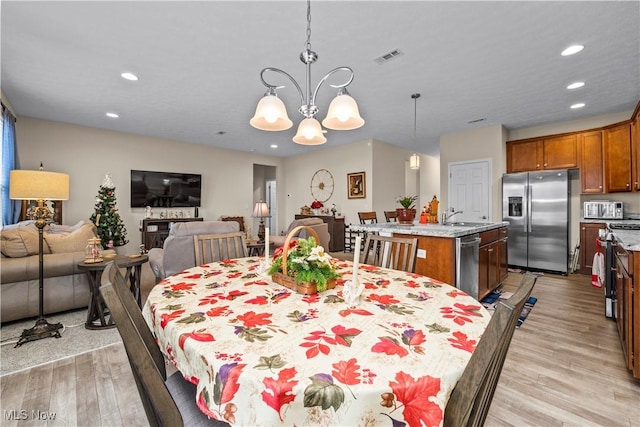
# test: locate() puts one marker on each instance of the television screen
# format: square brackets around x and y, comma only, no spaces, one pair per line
[165,189]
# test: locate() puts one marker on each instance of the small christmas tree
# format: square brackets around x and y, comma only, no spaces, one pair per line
[111,229]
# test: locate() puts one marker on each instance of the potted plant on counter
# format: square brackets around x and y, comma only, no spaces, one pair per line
[407,213]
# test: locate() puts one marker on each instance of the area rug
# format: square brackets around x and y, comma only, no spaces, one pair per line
[76,339]
[489,302]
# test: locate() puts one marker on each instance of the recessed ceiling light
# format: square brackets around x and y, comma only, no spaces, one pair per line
[129,76]
[578,105]
[112,115]
[575,85]
[572,49]
[274,145]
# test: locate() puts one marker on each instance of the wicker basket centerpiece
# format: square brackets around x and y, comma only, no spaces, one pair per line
[303,266]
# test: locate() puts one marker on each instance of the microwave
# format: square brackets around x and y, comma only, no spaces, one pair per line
[603,209]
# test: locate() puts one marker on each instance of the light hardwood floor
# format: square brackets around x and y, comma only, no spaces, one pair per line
[564,368]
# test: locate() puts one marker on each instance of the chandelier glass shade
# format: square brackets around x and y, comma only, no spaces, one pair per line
[343,114]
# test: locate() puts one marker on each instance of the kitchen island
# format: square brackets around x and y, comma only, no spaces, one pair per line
[471,255]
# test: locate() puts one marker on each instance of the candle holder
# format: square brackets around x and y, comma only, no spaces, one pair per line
[351,292]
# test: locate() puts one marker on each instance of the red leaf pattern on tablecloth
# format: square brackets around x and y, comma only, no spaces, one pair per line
[280,391]
[259,300]
[461,313]
[257,282]
[227,382]
[234,294]
[347,371]
[182,286]
[219,311]
[462,342]
[251,319]
[198,336]
[310,299]
[211,299]
[389,346]
[383,299]
[167,317]
[415,395]
[342,336]
[411,284]
[359,311]
[455,292]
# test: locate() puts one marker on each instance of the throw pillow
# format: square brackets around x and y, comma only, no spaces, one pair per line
[74,241]
[20,240]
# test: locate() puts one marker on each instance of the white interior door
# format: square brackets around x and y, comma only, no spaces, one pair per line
[469,190]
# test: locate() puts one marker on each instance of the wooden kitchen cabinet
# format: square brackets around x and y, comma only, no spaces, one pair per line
[492,260]
[591,162]
[617,160]
[439,261]
[589,232]
[635,148]
[552,152]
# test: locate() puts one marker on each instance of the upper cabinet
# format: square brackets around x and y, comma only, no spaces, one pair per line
[617,157]
[591,162]
[608,158]
[558,152]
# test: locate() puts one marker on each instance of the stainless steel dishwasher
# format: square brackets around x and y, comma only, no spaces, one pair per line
[467,255]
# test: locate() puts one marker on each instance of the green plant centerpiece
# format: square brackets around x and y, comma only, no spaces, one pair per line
[407,213]
[305,262]
[407,202]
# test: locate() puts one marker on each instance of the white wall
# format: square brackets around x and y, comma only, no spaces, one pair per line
[483,143]
[390,167]
[86,154]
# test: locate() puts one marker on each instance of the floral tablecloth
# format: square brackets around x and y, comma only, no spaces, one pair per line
[263,355]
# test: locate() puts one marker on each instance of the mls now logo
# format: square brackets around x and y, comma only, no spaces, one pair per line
[23,414]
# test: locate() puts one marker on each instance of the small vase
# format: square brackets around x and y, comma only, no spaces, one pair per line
[406,216]
[316,211]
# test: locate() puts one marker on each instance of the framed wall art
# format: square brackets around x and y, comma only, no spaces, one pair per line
[356,185]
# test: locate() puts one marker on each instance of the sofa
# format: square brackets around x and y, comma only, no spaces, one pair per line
[318,225]
[65,286]
[178,252]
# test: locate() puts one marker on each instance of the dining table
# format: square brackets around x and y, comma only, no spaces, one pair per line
[261,354]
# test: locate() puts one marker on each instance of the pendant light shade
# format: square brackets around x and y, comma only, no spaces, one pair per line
[271,115]
[343,114]
[414,161]
[309,133]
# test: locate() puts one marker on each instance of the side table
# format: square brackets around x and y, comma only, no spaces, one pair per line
[98,316]
[255,248]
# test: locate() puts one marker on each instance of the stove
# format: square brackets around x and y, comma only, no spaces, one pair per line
[624,226]
[621,236]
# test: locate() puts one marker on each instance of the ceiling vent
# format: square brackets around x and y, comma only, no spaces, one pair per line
[388,56]
[476,121]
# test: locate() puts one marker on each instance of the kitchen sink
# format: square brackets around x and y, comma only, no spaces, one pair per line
[466,224]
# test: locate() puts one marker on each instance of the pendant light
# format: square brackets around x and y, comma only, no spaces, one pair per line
[343,114]
[414,160]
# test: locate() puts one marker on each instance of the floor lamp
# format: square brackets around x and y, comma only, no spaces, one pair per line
[40,186]
[261,210]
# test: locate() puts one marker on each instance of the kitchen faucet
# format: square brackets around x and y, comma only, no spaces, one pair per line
[446,217]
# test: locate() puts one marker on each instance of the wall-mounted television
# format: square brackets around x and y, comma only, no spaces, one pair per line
[165,189]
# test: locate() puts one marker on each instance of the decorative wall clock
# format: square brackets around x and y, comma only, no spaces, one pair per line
[322,185]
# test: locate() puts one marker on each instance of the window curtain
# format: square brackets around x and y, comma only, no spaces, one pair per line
[10,208]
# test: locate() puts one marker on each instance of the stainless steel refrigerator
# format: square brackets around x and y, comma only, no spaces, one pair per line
[536,206]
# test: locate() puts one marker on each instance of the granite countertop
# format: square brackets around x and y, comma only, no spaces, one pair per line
[432,230]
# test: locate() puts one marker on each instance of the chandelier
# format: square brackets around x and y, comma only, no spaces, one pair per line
[414,160]
[271,113]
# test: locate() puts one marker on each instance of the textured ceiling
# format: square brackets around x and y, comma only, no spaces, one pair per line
[199,65]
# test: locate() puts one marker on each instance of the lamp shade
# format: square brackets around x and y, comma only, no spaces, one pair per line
[271,114]
[38,185]
[261,210]
[343,114]
[309,133]
[414,161]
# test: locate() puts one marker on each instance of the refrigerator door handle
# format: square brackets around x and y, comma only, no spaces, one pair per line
[529,217]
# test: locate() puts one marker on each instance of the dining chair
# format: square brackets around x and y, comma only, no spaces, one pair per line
[170,402]
[391,216]
[217,247]
[397,253]
[471,398]
[371,217]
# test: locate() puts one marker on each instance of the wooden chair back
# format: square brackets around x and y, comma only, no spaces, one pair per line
[471,398]
[397,253]
[158,403]
[111,274]
[391,216]
[371,217]
[218,247]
